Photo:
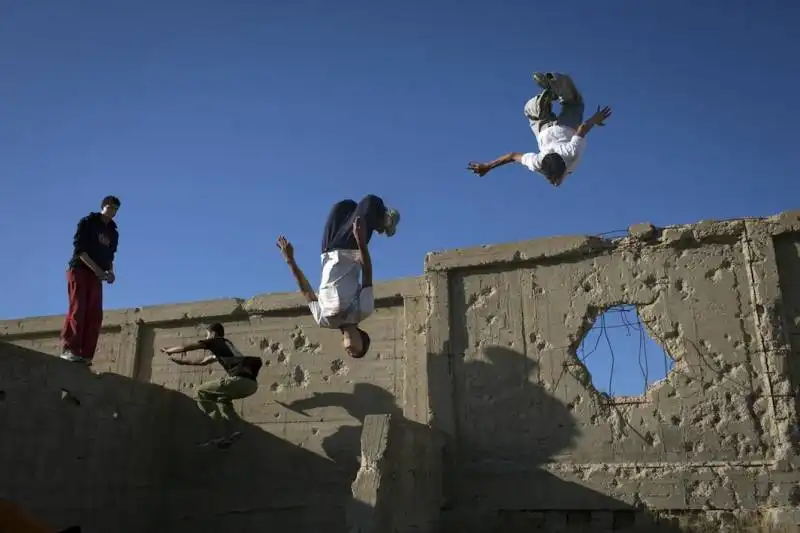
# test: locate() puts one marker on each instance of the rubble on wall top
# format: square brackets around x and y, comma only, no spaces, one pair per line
[640,234]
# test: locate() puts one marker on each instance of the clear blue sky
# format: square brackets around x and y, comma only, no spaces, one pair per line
[221,125]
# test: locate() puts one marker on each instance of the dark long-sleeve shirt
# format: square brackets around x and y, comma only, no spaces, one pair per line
[97,238]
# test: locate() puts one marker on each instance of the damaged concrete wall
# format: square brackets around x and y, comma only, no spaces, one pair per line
[123,457]
[528,432]
[482,353]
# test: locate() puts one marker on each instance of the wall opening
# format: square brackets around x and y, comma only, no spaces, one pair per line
[620,355]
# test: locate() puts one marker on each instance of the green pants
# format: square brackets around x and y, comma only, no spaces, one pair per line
[216,397]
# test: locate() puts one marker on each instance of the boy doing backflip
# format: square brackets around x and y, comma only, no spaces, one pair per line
[344,300]
[561,138]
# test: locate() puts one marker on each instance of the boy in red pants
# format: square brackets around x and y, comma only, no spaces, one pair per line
[92,263]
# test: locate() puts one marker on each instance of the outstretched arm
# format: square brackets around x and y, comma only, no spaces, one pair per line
[595,120]
[184,348]
[302,282]
[481,169]
[207,360]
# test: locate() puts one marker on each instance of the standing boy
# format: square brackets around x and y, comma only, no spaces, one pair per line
[215,397]
[561,139]
[344,300]
[94,247]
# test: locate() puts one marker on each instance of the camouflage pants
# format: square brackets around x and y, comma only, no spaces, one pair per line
[539,109]
[215,397]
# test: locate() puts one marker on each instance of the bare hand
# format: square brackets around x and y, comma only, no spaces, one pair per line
[286,248]
[165,350]
[358,232]
[600,116]
[479,168]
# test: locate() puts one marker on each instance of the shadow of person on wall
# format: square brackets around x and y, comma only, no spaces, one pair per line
[110,453]
[510,464]
[344,446]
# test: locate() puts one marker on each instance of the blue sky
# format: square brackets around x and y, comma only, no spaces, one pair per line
[221,125]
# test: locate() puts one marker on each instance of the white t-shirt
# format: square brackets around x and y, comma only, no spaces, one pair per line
[560,140]
[341,299]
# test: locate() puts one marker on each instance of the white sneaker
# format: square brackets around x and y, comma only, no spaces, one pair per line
[71,357]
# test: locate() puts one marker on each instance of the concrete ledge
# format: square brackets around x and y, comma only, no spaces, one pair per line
[548,248]
[643,234]
[385,293]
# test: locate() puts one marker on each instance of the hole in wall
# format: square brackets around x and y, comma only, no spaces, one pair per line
[620,355]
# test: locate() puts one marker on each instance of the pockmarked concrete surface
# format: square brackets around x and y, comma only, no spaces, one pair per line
[478,354]
[528,432]
[114,448]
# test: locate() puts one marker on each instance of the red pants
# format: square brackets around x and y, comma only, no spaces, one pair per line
[85,315]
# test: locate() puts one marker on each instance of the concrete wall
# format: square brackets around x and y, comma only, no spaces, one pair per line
[481,352]
[125,458]
[527,431]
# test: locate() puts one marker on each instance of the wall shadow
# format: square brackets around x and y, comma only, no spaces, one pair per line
[505,461]
[110,453]
[508,429]
[344,445]
[787,257]
[408,495]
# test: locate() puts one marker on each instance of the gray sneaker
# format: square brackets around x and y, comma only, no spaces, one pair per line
[543,79]
[392,220]
[67,355]
[561,85]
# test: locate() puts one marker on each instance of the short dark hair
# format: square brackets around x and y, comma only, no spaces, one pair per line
[217,329]
[113,201]
[553,166]
[365,342]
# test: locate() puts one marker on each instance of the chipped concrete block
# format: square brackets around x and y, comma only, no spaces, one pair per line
[676,235]
[385,496]
[785,222]
[642,231]
[713,229]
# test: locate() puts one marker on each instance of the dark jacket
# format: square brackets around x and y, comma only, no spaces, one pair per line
[98,239]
